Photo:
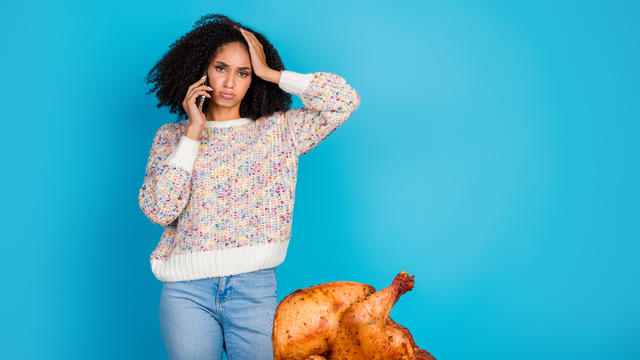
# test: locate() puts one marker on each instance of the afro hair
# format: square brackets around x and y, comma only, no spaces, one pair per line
[190,55]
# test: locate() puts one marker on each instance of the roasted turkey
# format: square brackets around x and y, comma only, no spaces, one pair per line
[344,320]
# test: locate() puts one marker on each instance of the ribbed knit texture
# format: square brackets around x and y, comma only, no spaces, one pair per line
[226,201]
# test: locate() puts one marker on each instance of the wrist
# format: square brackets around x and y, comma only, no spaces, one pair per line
[194,132]
[273,76]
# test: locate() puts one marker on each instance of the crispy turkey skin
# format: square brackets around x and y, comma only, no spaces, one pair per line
[343,320]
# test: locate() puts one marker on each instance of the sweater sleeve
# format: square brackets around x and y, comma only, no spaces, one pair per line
[167,183]
[328,102]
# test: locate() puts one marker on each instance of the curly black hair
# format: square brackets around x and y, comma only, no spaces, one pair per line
[189,56]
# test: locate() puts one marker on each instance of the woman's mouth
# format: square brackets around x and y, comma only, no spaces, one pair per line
[226,95]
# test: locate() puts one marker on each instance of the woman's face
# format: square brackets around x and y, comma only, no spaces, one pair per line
[230,73]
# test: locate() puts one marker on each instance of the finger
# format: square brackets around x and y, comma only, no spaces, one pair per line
[244,33]
[196,95]
[192,86]
[250,37]
[245,36]
[253,37]
[200,87]
[200,81]
[200,93]
[257,49]
[257,42]
[256,52]
[204,87]
[254,46]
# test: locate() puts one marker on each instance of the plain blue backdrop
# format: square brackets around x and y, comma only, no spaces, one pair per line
[494,156]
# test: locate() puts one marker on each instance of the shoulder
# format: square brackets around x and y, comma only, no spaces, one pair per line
[168,135]
[172,129]
[272,120]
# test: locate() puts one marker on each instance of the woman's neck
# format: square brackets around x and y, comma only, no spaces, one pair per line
[223,114]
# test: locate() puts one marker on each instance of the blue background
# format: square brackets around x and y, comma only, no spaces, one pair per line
[494,156]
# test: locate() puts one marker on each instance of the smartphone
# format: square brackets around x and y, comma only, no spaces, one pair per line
[200,100]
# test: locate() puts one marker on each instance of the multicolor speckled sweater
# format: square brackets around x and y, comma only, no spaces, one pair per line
[226,200]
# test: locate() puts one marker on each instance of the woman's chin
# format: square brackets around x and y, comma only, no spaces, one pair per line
[225,103]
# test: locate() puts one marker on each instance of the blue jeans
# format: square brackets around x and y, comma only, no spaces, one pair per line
[201,318]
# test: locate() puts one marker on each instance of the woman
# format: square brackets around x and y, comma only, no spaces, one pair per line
[222,183]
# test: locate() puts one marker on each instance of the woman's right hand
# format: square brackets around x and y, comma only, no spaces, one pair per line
[197,118]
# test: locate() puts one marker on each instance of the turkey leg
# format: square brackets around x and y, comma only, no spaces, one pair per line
[367,332]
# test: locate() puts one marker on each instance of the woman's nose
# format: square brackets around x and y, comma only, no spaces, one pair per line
[228,81]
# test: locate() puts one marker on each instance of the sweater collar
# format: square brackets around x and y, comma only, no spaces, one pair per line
[227,123]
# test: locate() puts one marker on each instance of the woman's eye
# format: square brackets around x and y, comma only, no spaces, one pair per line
[243,73]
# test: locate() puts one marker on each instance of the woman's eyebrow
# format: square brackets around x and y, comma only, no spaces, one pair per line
[239,67]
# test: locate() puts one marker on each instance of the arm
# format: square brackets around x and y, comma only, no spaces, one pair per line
[167,182]
[328,102]
[327,98]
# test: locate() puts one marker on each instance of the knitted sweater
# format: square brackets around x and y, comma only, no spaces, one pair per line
[226,200]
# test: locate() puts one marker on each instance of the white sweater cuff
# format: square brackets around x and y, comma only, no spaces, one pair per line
[185,153]
[293,82]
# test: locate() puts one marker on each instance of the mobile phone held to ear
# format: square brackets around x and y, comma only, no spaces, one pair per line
[200,99]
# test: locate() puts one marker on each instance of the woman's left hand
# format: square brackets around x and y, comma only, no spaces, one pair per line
[258,59]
